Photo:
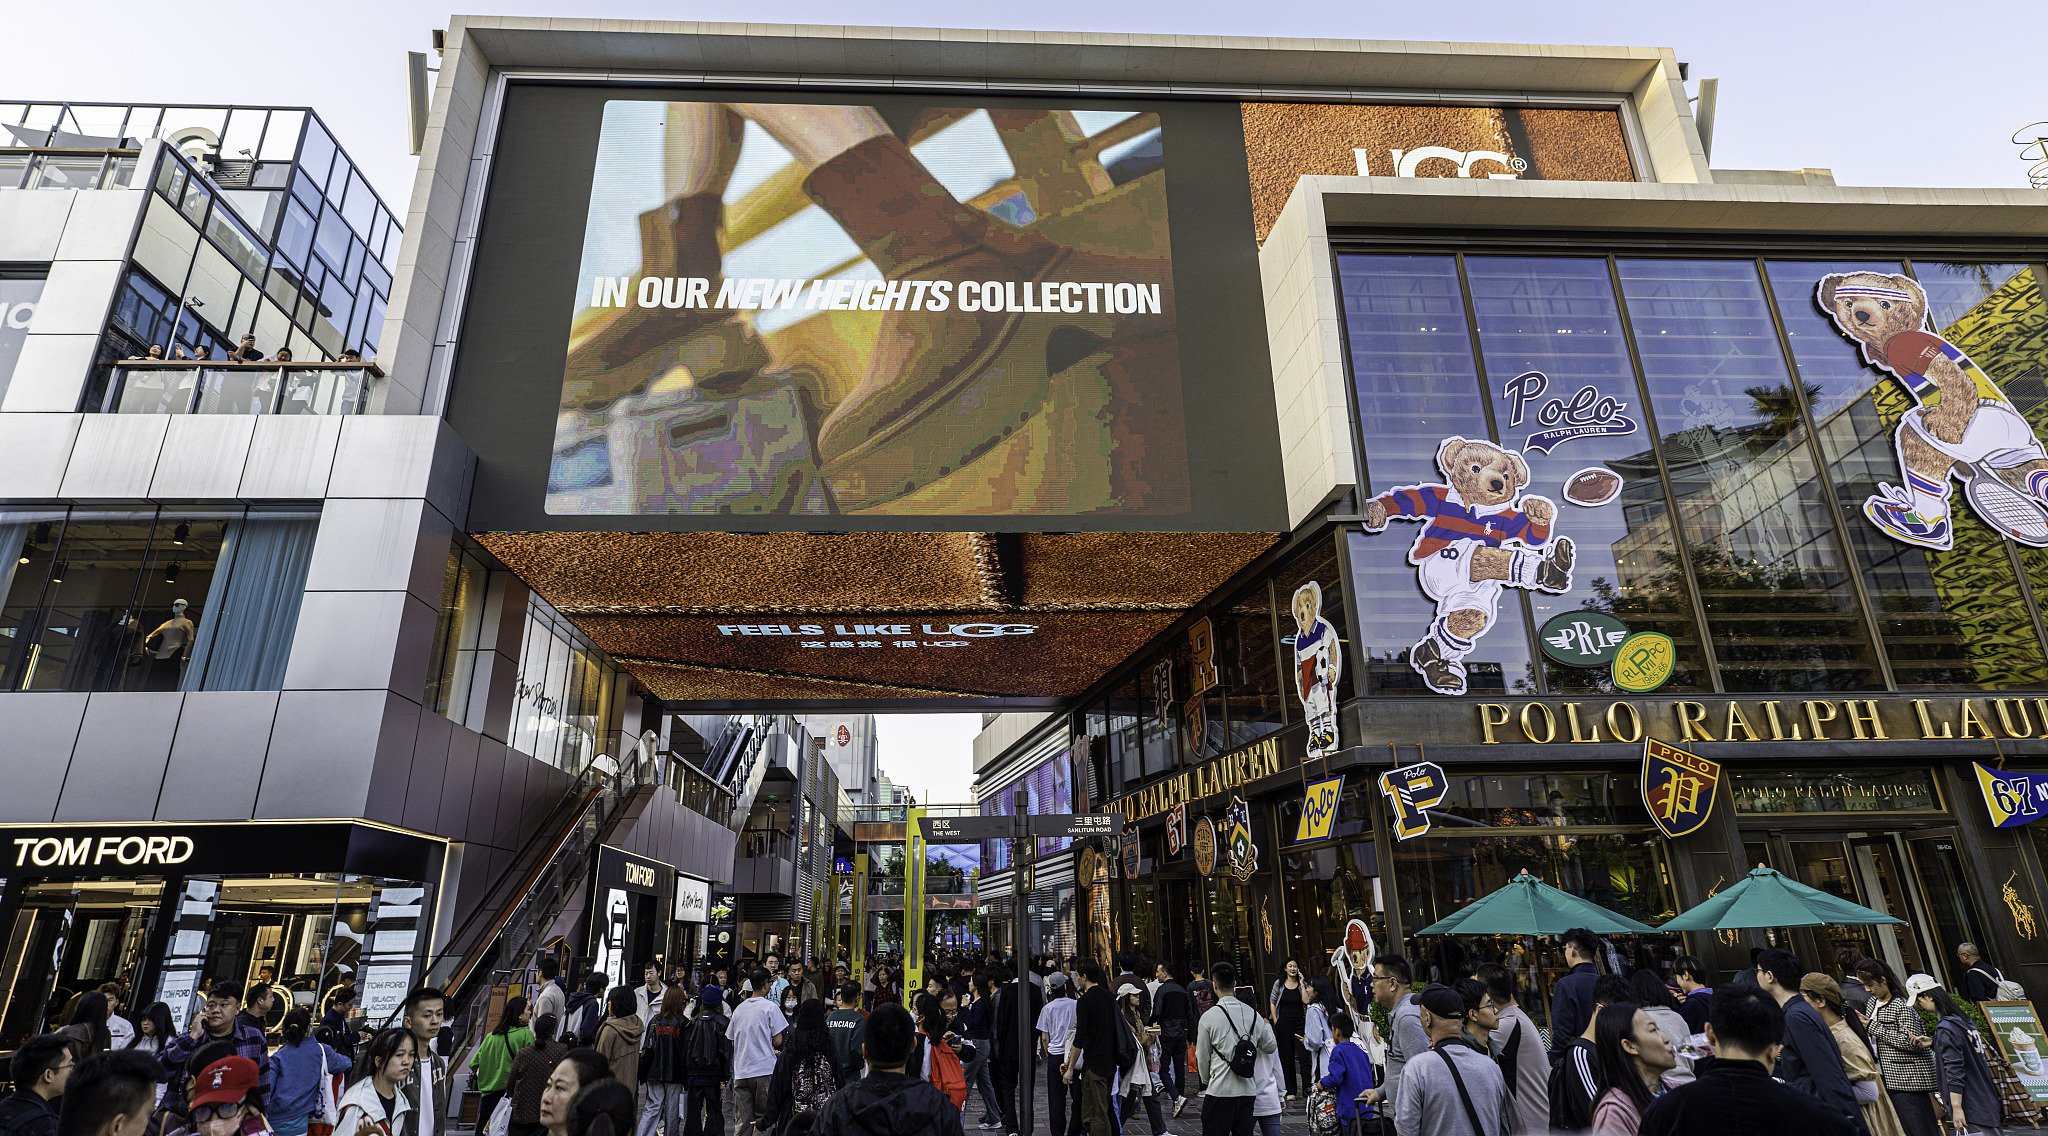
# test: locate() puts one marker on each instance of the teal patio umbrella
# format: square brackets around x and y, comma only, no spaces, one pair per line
[1528,906]
[1767,899]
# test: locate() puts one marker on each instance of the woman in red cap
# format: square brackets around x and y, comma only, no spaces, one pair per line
[224,1101]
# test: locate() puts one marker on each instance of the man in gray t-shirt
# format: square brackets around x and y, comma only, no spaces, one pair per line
[1452,1088]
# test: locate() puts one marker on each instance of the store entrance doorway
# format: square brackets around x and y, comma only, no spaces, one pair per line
[66,939]
[1916,877]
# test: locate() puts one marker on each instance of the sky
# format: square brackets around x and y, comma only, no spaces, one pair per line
[1883,93]
[931,753]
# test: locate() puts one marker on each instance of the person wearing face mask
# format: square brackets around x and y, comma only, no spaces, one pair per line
[377,1105]
[225,1100]
[791,999]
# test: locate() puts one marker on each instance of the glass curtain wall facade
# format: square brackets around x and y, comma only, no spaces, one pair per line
[564,692]
[258,223]
[1746,434]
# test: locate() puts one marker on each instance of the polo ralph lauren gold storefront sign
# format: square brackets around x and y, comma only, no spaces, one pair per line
[1766,720]
[1263,758]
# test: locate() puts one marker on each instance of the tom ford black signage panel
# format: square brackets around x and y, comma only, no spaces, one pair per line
[75,851]
[787,311]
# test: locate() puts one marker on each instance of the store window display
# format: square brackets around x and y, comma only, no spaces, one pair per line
[1718,449]
[116,599]
[304,934]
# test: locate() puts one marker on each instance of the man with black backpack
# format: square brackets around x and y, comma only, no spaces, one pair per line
[1228,1042]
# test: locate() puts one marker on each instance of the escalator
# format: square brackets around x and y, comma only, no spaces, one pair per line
[533,903]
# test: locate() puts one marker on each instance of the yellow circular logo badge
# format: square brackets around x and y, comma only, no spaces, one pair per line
[1205,846]
[1644,661]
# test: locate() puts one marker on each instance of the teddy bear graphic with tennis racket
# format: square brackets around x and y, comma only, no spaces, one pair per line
[1962,428]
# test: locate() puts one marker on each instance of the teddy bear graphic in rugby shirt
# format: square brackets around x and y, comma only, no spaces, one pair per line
[1481,534]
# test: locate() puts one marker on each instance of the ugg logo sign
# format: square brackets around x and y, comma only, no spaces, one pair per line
[52,850]
[1408,163]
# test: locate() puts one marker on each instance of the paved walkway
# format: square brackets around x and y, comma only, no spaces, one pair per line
[1189,1123]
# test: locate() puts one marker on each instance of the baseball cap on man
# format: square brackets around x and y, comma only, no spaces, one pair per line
[229,1080]
[1056,981]
[1442,1001]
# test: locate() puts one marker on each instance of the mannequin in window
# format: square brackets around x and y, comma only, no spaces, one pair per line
[167,649]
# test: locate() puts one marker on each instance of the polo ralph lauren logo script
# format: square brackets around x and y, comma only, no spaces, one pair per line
[1587,414]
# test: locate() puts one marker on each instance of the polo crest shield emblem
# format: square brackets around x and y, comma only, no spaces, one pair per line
[1678,787]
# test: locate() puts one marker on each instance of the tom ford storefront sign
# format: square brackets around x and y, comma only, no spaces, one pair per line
[125,851]
[1759,720]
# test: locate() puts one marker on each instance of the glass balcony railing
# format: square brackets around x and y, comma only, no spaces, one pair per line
[760,843]
[933,885]
[208,387]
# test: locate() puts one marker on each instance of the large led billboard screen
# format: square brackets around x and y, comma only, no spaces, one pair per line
[894,313]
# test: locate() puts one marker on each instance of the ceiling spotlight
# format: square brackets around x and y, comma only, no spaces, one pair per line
[179,534]
[57,572]
[171,573]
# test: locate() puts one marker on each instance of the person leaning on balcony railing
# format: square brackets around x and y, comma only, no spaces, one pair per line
[284,355]
[156,354]
[246,351]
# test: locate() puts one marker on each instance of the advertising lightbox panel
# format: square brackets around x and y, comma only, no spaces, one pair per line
[905,313]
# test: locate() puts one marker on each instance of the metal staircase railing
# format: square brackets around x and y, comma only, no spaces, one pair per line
[506,953]
[604,798]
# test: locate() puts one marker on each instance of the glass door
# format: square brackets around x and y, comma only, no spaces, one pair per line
[67,939]
[28,974]
[1951,915]
[1827,865]
[1876,865]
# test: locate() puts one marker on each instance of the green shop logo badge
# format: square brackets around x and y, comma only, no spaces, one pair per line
[1644,661]
[1583,638]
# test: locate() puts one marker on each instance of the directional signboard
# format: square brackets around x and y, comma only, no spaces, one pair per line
[1075,825]
[966,829]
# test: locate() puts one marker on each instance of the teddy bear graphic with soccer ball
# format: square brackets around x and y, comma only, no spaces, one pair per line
[1481,534]
[1962,428]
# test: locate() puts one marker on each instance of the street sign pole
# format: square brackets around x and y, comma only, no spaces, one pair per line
[1020,1124]
[913,909]
[860,916]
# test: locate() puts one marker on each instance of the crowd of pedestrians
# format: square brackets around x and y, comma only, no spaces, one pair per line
[805,1051]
